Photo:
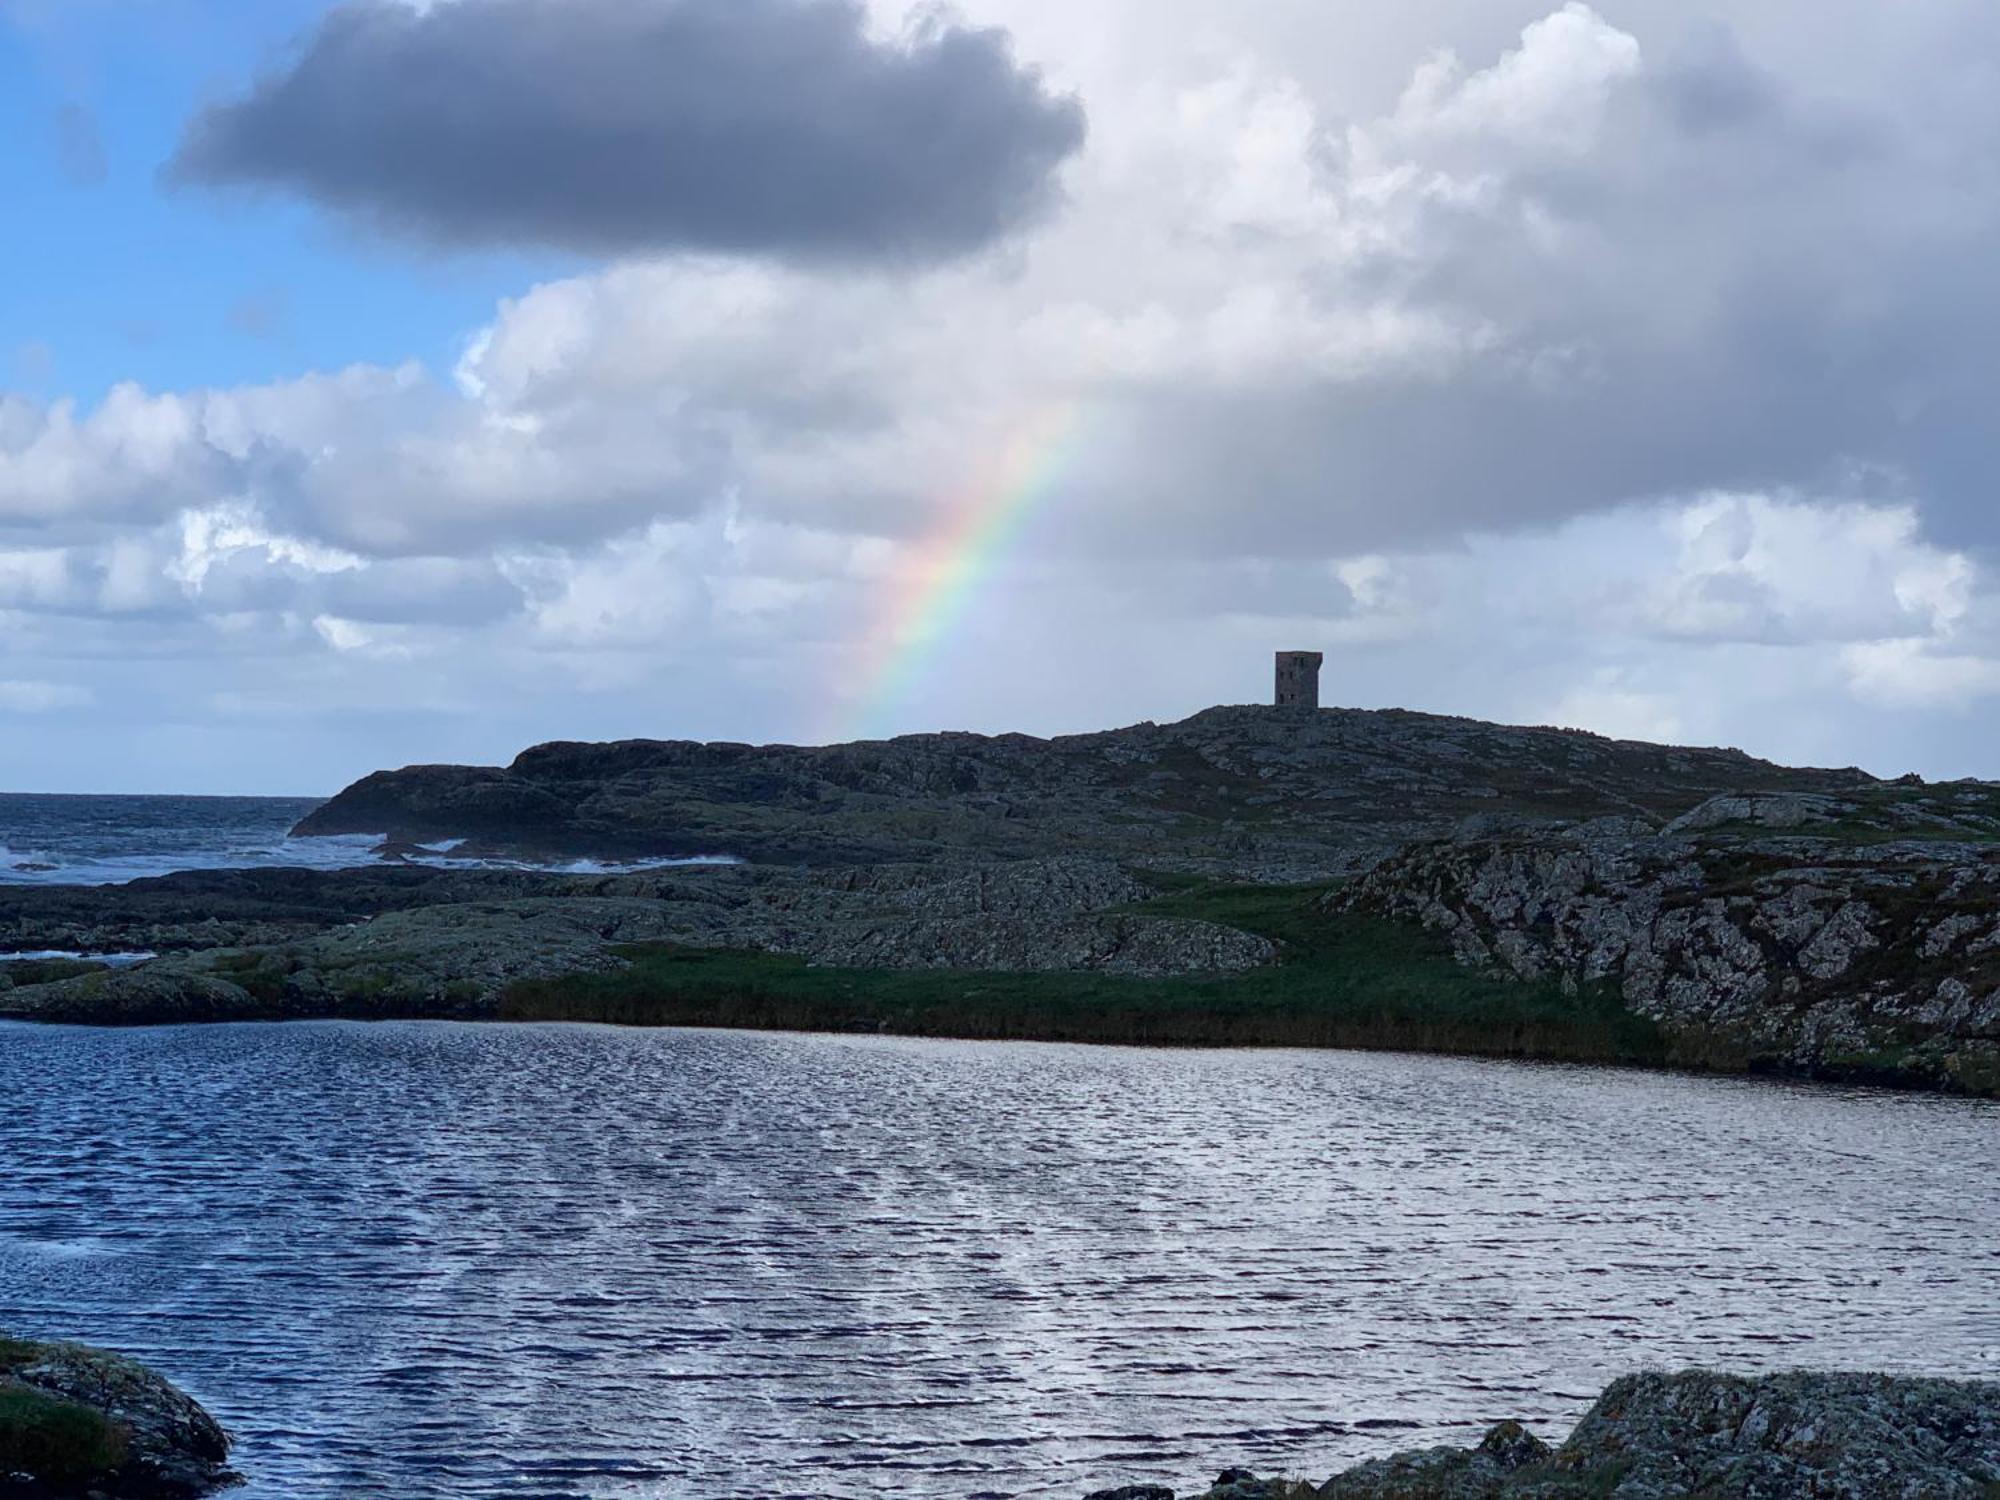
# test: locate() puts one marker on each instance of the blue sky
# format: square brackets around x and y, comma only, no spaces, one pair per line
[125,278]
[383,384]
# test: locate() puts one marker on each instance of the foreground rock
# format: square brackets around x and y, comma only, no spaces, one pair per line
[79,1424]
[1649,1437]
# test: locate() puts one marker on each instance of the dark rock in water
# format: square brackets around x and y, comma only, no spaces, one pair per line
[1652,1437]
[1241,1484]
[1133,1492]
[80,1424]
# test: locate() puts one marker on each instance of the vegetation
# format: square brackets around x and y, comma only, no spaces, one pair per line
[1343,981]
[58,1441]
[26,971]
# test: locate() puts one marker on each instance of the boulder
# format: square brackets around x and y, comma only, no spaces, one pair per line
[80,1424]
[1654,1437]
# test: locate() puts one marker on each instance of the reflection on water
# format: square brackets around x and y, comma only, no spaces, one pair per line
[436,1261]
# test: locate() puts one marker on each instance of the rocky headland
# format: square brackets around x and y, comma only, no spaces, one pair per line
[79,1424]
[1246,875]
[1651,1437]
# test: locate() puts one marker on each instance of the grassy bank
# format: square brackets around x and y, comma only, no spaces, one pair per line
[1344,981]
[58,1441]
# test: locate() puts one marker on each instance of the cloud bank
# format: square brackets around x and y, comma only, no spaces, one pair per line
[770,127]
[1624,369]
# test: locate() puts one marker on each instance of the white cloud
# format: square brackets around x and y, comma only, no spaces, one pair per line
[1627,365]
[1914,673]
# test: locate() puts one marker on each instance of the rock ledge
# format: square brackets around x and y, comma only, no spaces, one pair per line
[1649,1437]
[80,1424]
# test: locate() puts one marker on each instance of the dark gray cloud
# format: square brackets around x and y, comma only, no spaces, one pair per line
[627,126]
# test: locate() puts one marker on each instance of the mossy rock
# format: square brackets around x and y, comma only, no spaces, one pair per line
[76,1422]
[63,1444]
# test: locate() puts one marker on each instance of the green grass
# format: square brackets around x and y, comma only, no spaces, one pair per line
[57,1441]
[22,972]
[15,1353]
[1344,981]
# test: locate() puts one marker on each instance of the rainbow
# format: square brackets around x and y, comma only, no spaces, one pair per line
[933,590]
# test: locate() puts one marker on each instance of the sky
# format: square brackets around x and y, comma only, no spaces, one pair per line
[386,382]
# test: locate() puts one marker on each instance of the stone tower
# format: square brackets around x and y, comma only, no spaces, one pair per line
[1298,679]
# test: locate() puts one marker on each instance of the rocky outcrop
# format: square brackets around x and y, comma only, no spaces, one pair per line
[454,958]
[1873,960]
[1651,1437]
[79,1424]
[1252,792]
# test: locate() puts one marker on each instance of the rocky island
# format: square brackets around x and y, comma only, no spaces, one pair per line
[1278,875]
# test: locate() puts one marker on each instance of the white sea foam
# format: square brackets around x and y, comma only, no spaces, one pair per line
[114,960]
[329,852]
[113,840]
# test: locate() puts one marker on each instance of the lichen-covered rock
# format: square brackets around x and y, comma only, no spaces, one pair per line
[1840,1437]
[1131,945]
[1504,1455]
[1761,810]
[1247,790]
[80,1424]
[1794,955]
[1654,1437]
[454,958]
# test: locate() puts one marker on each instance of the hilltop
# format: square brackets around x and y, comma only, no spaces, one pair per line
[1263,793]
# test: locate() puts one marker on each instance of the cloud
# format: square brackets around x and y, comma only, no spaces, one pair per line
[621,127]
[1630,368]
[1907,674]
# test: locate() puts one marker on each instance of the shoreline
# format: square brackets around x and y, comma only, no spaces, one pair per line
[1773,1076]
[1128,958]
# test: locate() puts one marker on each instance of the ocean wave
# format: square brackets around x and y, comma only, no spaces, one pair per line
[328,852]
[111,960]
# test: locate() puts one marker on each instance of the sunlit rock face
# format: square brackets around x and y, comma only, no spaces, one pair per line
[1863,941]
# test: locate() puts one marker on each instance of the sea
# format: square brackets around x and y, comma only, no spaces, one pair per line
[109,840]
[418,1261]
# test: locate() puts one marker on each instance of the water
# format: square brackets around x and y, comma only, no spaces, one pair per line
[109,840]
[430,1261]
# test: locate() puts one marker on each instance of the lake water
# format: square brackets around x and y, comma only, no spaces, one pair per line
[433,1261]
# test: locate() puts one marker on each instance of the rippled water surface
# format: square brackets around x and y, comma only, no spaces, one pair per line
[437,1261]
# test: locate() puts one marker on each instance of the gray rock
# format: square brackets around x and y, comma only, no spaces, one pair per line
[1651,1437]
[1254,792]
[1760,810]
[1795,956]
[163,1445]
